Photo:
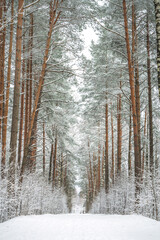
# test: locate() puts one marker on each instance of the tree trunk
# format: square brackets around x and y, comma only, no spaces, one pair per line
[136,70]
[90,170]
[55,161]
[157,15]
[44,148]
[144,143]
[94,174]
[2,59]
[1,66]
[15,114]
[112,129]
[62,172]
[33,144]
[5,120]
[50,163]
[129,144]
[26,108]
[21,123]
[99,164]
[89,188]
[30,65]
[106,151]
[134,114]
[150,101]
[119,135]
[22,104]
[103,166]
[137,90]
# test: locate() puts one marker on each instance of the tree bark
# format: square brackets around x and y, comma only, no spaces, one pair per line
[26,124]
[22,104]
[157,16]
[30,64]
[90,170]
[62,172]
[129,144]
[144,143]
[137,86]
[99,164]
[2,59]
[44,152]
[134,114]
[103,166]
[119,135]
[55,161]
[15,114]
[112,129]
[5,119]
[106,151]
[150,101]
[50,163]
[94,174]
[33,144]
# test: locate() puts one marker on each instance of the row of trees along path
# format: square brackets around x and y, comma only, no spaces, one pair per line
[47,136]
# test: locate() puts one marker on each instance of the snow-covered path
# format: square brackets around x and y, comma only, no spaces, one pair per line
[80,227]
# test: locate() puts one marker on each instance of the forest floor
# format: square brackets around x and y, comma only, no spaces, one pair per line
[80,227]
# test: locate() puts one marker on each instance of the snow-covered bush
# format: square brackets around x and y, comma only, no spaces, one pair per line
[35,196]
[121,198]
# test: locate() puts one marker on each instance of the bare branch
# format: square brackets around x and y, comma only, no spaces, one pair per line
[31,4]
[110,30]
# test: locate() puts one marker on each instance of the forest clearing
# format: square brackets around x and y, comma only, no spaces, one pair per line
[80,117]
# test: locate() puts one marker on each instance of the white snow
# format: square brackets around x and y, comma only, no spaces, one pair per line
[80,227]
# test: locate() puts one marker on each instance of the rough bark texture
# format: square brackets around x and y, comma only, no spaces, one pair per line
[135,66]
[112,129]
[22,108]
[137,89]
[50,163]
[90,170]
[119,135]
[44,146]
[106,151]
[2,59]
[150,100]
[21,125]
[33,145]
[144,144]
[103,163]
[4,131]
[55,161]
[94,174]
[26,124]
[61,171]
[129,143]
[157,15]
[134,114]
[99,164]
[15,114]
[1,66]
[30,64]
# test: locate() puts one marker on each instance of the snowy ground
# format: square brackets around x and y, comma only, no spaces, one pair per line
[80,227]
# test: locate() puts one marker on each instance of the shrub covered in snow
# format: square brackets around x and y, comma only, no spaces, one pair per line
[36,197]
[121,198]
